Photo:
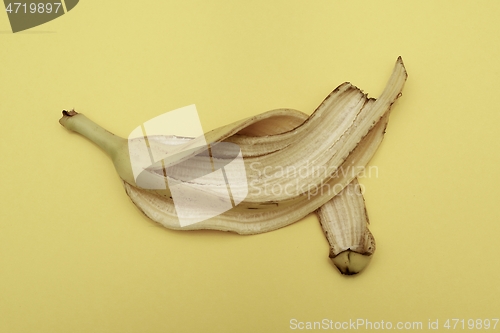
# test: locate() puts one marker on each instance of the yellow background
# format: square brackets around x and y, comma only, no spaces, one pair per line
[77,256]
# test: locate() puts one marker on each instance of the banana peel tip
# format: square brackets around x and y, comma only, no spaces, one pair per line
[350,263]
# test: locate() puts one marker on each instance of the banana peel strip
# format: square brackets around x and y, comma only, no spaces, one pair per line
[364,125]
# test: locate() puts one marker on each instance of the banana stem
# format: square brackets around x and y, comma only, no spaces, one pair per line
[78,123]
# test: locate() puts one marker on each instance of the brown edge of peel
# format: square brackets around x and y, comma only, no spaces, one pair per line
[69,113]
[66,115]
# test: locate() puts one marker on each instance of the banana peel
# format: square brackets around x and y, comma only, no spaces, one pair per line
[338,139]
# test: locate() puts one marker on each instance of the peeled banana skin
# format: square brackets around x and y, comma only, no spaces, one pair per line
[339,138]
